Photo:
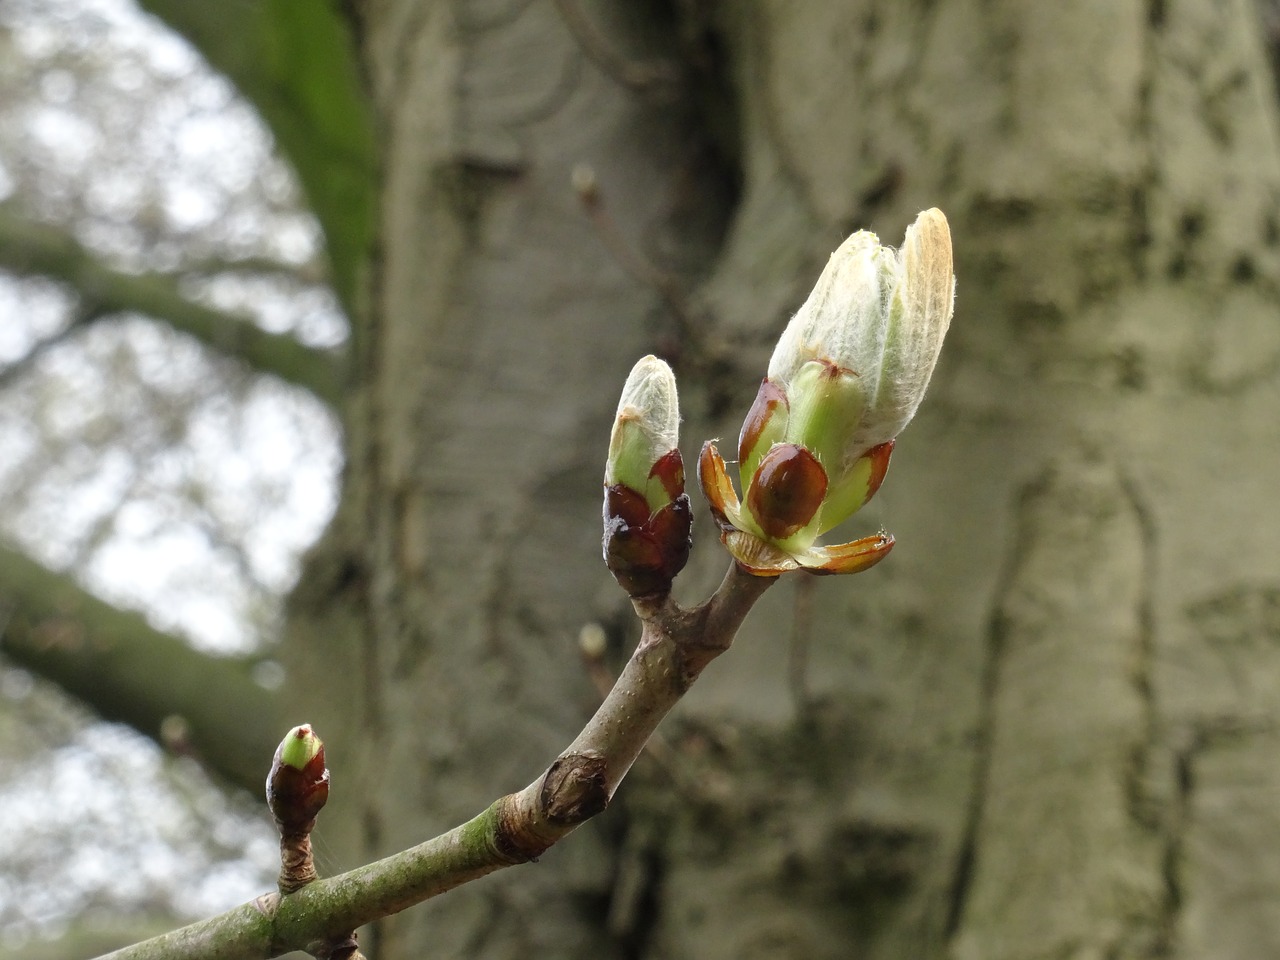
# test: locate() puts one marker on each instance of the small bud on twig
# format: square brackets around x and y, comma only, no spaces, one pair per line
[647,518]
[585,185]
[593,641]
[297,789]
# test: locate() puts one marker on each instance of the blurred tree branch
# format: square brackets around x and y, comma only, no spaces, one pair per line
[39,249]
[300,71]
[128,671]
[80,316]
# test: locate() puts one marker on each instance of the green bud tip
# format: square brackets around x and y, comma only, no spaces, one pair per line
[299,747]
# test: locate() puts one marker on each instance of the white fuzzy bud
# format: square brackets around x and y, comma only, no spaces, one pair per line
[646,426]
[881,314]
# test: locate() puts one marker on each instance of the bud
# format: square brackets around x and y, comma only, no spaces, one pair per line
[298,784]
[846,376]
[647,517]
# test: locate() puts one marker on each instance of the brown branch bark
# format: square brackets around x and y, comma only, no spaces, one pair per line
[128,671]
[32,248]
[675,647]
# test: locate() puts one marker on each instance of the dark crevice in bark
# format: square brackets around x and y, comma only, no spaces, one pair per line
[1190,744]
[1269,14]
[494,17]
[1171,857]
[1137,786]
[707,185]
[967,858]
[1140,229]
[699,97]
[1143,809]
[646,75]
[634,901]
[689,32]
[757,51]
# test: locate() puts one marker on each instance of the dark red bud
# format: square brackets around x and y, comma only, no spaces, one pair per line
[644,552]
[296,796]
[787,490]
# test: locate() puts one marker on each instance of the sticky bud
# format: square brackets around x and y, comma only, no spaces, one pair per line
[298,784]
[846,376]
[647,518]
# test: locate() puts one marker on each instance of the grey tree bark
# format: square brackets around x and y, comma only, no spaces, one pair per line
[1046,726]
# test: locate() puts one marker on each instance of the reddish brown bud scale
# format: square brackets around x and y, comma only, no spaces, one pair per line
[644,551]
[297,795]
[787,490]
[672,528]
[856,556]
[879,456]
[715,484]
[768,399]
[669,469]
[628,545]
[624,504]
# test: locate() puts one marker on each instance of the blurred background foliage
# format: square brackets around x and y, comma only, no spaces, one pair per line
[159,471]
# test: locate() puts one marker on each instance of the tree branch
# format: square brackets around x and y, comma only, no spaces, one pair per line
[128,671]
[297,65]
[32,248]
[675,647]
[20,366]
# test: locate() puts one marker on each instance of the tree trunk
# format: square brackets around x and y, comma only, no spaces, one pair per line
[1045,726]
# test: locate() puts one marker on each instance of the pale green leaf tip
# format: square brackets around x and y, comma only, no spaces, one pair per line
[299,746]
[646,425]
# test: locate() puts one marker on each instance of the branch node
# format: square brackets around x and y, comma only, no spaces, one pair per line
[336,948]
[575,788]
